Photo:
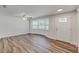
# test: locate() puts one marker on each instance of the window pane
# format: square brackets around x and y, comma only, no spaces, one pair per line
[41,27]
[40,24]
[35,22]
[35,27]
[63,20]
[46,27]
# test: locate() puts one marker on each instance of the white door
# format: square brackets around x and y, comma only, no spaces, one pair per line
[63,28]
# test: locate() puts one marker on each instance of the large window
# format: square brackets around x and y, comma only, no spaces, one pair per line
[40,24]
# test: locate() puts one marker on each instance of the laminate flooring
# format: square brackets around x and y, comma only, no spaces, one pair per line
[33,43]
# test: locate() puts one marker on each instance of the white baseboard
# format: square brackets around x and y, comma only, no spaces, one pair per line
[8,35]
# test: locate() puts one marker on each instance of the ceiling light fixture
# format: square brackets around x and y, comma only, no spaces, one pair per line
[26,17]
[60,10]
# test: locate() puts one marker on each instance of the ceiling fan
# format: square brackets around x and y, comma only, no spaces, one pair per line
[23,16]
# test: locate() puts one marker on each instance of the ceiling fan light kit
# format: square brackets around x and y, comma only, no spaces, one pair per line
[25,17]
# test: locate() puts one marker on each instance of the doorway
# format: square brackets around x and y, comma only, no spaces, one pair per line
[63,28]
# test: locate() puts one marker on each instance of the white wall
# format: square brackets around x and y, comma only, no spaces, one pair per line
[78,27]
[52,30]
[74,29]
[11,26]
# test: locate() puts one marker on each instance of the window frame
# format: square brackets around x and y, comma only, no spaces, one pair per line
[43,24]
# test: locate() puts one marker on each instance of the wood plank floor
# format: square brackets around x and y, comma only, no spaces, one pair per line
[31,43]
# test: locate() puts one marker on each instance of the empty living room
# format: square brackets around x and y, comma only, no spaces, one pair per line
[39,28]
